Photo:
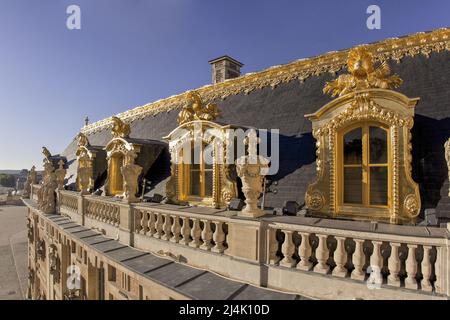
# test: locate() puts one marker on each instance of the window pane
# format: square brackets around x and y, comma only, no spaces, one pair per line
[353,185]
[378,185]
[208,183]
[353,147]
[195,183]
[378,145]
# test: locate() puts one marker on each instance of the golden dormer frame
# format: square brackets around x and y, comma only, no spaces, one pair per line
[194,120]
[358,106]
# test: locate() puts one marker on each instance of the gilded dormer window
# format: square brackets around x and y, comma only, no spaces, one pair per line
[363,147]
[199,173]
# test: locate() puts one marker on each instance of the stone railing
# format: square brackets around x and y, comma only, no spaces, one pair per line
[68,201]
[391,260]
[205,232]
[102,210]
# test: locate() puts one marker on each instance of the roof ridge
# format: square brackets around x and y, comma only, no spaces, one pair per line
[391,48]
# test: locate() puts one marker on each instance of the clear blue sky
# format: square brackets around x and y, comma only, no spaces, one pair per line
[130,52]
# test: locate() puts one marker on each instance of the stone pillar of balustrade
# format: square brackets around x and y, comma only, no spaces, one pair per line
[126,224]
[246,239]
[81,201]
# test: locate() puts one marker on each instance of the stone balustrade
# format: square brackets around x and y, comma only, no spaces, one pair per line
[102,210]
[205,232]
[417,263]
[316,257]
[68,201]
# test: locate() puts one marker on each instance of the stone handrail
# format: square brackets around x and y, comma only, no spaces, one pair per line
[68,201]
[101,209]
[412,262]
[206,232]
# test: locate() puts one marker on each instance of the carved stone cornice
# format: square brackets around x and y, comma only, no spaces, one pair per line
[396,49]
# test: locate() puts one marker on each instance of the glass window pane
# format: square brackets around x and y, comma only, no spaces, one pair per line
[378,145]
[378,185]
[353,185]
[353,147]
[195,183]
[208,183]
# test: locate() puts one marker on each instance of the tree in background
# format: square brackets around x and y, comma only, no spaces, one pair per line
[7,180]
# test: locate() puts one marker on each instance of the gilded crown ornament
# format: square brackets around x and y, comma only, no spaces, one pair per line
[363,75]
[120,129]
[196,110]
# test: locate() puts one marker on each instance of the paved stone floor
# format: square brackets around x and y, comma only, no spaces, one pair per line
[13,252]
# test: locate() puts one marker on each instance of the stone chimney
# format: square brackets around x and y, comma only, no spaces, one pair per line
[224,68]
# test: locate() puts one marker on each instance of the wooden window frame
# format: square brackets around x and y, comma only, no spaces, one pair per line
[365,165]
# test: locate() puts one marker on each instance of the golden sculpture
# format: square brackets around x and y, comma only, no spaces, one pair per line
[46,153]
[363,75]
[196,110]
[120,129]
[82,140]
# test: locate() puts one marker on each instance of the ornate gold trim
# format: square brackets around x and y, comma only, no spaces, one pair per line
[395,49]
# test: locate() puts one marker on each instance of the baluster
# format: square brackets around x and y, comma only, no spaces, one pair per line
[206,235]
[394,266]
[195,234]
[273,246]
[411,267]
[186,231]
[322,255]
[439,284]
[426,269]
[304,252]
[143,223]
[159,226]
[288,249]
[340,258]
[166,227]
[219,237]
[116,216]
[176,229]
[151,230]
[358,260]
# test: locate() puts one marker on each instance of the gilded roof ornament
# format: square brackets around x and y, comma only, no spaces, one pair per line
[120,129]
[363,75]
[46,153]
[196,110]
[82,140]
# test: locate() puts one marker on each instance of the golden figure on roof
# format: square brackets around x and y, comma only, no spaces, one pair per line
[196,110]
[120,129]
[363,75]
[82,140]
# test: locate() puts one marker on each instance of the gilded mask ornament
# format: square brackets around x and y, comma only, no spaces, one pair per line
[363,75]
[196,110]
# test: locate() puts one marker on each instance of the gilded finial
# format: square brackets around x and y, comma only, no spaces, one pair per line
[46,153]
[196,110]
[363,75]
[120,129]
[82,140]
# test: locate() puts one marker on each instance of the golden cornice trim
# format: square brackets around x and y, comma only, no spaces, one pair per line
[390,49]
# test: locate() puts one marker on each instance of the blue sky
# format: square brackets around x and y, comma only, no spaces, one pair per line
[130,52]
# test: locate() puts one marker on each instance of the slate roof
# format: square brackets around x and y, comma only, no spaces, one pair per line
[284,108]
